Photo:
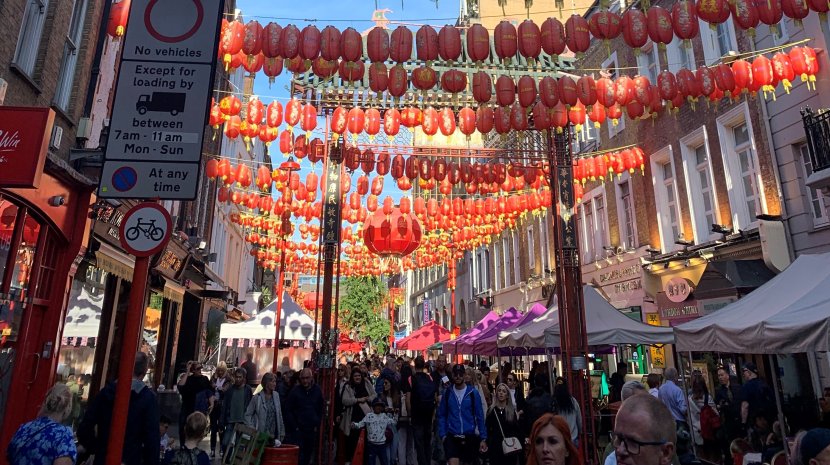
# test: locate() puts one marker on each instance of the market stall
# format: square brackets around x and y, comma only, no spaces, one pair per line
[424,337]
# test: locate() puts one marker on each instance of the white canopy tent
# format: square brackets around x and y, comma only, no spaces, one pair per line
[788,314]
[295,324]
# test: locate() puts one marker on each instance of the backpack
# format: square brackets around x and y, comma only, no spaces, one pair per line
[709,421]
[423,393]
[185,456]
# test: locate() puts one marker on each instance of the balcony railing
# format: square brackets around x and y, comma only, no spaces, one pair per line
[817,128]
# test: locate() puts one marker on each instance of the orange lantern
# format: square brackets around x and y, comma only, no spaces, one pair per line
[763,76]
[355,121]
[293,112]
[286,142]
[391,122]
[230,106]
[411,117]
[233,126]
[231,41]
[805,64]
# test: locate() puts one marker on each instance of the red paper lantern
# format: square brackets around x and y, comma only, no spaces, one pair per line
[770,12]
[377,45]
[391,122]
[478,43]
[430,123]
[426,42]
[273,114]
[819,6]
[466,121]
[351,71]
[216,117]
[351,45]
[297,65]
[725,78]
[667,85]
[255,111]
[805,64]
[290,42]
[506,40]
[398,81]
[553,37]
[330,43]
[518,117]
[323,68]
[482,87]
[449,43]
[745,14]
[400,44]
[597,115]
[605,25]
[392,235]
[372,125]
[272,68]
[782,69]
[453,81]
[606,92]
[762,74]
[567,91]
[623,90]
[576,115]
[230,106]
[541,118]
[706,77]
[586,90]
[286,142]
[254,63]
[355,121]
[424,78]
[795,10]
[713,12]
[446,121]
[743,75]
[339,120]
[212,168]
[411,117]
[502,120]
[231,41]
[577,34]
[311,38]
[559,117]
[549,91]
[688,85]
[271,41]
[485,119]
[117,22]
[505,91]
[527,91]
[642,87]
[660,25]
[635,29]
[378,77]
[684,20]
[529,40]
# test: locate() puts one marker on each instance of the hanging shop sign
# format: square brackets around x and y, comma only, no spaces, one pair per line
[671,311]
[154,148]
[331,203]
[24,142]
[678,289]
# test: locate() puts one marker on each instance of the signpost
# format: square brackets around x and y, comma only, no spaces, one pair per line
[154,147]
[144,232]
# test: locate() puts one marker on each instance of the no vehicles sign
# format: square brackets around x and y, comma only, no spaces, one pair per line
[161,100]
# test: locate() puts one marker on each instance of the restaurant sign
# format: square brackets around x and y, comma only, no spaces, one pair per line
[24,141]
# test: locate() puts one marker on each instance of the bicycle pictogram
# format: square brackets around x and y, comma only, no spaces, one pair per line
[149,228]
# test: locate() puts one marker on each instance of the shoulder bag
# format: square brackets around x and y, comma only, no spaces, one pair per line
[508,445]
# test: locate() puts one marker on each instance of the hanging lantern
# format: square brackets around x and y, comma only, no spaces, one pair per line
[272,68]
[576,115]
[770,13]
[449,43]
[391,122]
[743,75]
[290,42]
[805,64]
[745,15]
[286,142]
[505,91]
[597,115]
[605,25]
[231,41]
[310,45]
[377,45]
[339,118]
[424,78]
[378,77]
[411,117]
[212,168]
[518,117]
[529,40]
[485,119]
[230,106]
[549,91]
[641,87]
[330,43]
[577,34]
[482,87]
[763,76]
[713,12]
[297,65]
[567,91]
[725,79]
[527,91]
[372,125]
[796,10]
[667,85]
[117,22]
[323,68]
[309,119]
[233,127]
[467,121]
[635,29]
[506,41]
[446,121]
[684,21]
[541,117]
[216,118]
[614,113]
[706,77]
[660,26]
[586,90]
[688,85]
[606,92]
[821,7]
[426,42]
[502,120]
[559,117]
[293,112]
[382,165]
[478,43]
[453,81]
[553,37]
[351,71]
[356,119]
[254,63]
[635,109]
[623,90]
[398,82]
[271,41]
[400,44]
[783,71]
[268,134]
[430,123]
[351,45]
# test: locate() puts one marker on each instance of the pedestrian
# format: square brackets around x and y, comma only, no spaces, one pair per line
[756,398]
[815,447]
[264,413]
[237,398]
[391,398]
[165,441]
[192,384]
[550,442]
[220,380]
[357,396]
[251,370]
[728,400]
[45,440]
[303,414]
[707,448]
[503,424]
[653,382]
[460,414]
[616,382]
[195,428]
[539,402]
[630,388]
[377,425]
[141,437]
[672,396]
[471,377]
[517,394]
[644,432]
[422,404]
[343,376]
[389,372]
[567,407]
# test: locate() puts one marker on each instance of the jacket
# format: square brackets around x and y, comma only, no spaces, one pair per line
[376,426]
[230,393]
[350,403]
[256,414]
[458,419]
[304,408]
[142,441]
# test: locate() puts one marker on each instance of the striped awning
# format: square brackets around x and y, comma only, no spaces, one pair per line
[174,292]
[243,343]
[78,342]
[114,261]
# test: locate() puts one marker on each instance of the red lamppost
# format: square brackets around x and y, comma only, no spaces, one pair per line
[288,167]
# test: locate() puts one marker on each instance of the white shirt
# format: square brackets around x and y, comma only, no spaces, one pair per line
[654,392]
[512,395]
[376,426]
[459,394]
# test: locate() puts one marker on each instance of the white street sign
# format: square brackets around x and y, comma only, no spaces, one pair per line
[145,229]
[181,31]
[149,180]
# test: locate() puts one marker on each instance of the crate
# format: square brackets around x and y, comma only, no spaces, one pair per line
[248,446]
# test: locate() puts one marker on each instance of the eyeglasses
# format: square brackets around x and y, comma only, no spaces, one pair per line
[632,446]
[511,380]
[457,375]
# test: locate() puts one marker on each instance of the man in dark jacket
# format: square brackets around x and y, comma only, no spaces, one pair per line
[141,438]
[191,383]
[236,401]
[303,414]
[538,402]
[423,409]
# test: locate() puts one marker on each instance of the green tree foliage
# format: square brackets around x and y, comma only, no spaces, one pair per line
[362,309]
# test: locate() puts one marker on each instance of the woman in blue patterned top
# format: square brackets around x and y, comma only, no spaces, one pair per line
[44,440]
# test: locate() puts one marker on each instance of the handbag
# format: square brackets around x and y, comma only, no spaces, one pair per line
[508,445]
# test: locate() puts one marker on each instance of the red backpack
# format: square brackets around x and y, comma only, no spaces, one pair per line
[709,421]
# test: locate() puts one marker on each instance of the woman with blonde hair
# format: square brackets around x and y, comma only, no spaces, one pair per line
[471,378]
[44,440]
[220,380]
[503,423]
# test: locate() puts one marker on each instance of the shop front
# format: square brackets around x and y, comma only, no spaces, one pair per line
[43,228]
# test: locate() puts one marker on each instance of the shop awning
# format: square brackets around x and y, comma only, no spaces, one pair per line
[487,344]
[113,261]
[174,292]
[489,319]
[730,277]
[472,346]
[788,314]
[347,344]
[295,325]
[424,337]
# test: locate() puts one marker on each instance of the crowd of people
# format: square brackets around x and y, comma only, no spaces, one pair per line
[400,411]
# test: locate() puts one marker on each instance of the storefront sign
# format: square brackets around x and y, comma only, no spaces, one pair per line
[427,312]
[24,141]
[658,354]
[677,289]
[171,262]
[712,305]
[684,310]
[331,203]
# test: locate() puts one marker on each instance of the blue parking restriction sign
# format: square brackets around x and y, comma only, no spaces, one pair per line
[124,178]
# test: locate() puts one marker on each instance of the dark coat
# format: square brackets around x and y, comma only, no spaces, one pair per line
[303,408]
[229,395]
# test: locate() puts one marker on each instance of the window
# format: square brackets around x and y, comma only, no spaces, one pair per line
[483,269]
[70,54]
[593,223]
[28,43]
[544,224]
[717,42]
[531,247]
[507,260]
[699,184]
[680,55]
[743,178]
[516,263]
[780,35]
[668,217]
[648,63]
[625,212]
[611,65]
[817,205]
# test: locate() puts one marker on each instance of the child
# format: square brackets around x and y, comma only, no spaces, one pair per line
[189,453]
[166,440]
[376,423]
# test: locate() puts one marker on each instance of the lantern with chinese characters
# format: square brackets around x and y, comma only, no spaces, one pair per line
[725,79]
[605,25]
[398,81]
[527,91]
[549,91]
[660,26]
[297,65]
[117,22]
[255,111]
[770,13]
[576,115]
[310,42]
[553,37]
[567,90]
[453,81]
[641,89]
[446,121]
[805,64]
[467,121]
[272,68]
[309,119]
[355,121]
[706,77]
[684,21]
[518,117]
[378,78]
[231,41]
[745,15]
[635,29]
[482,87]
[505,91]
[485,119]
[559,117]
[230,106]
[742,71]
[323,68]
[795,10]
[713,12]
[541,118]
[577,34]
[330,43]
[391,235]
[529,40]
[478,43]
[293,112]
[339,120]
[400,44]
[411,117]
[763,76]
[391,122]
[424,78]
[271,41]
[449,43]
[216,118]
[606,92]
[783,71]
[426,44]
[586,90]
[501,117]
[430,123]
[614,113]
[286,142]
[623,90]
[351,71]
[290,42]
[597,115]
[506,41]
[667,85]
[351,45]
[263,178]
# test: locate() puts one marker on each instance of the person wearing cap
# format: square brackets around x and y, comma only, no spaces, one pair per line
[756,397]
[814,447]
[376,423]
[460,413]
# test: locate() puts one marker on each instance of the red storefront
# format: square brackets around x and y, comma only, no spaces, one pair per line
[43,226]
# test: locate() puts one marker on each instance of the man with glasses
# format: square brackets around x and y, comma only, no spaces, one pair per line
[303,414]
[644,432]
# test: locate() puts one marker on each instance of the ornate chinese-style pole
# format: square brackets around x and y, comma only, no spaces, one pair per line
[573,335]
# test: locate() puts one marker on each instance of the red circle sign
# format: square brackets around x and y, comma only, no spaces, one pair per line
[145,229]
[148,23]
